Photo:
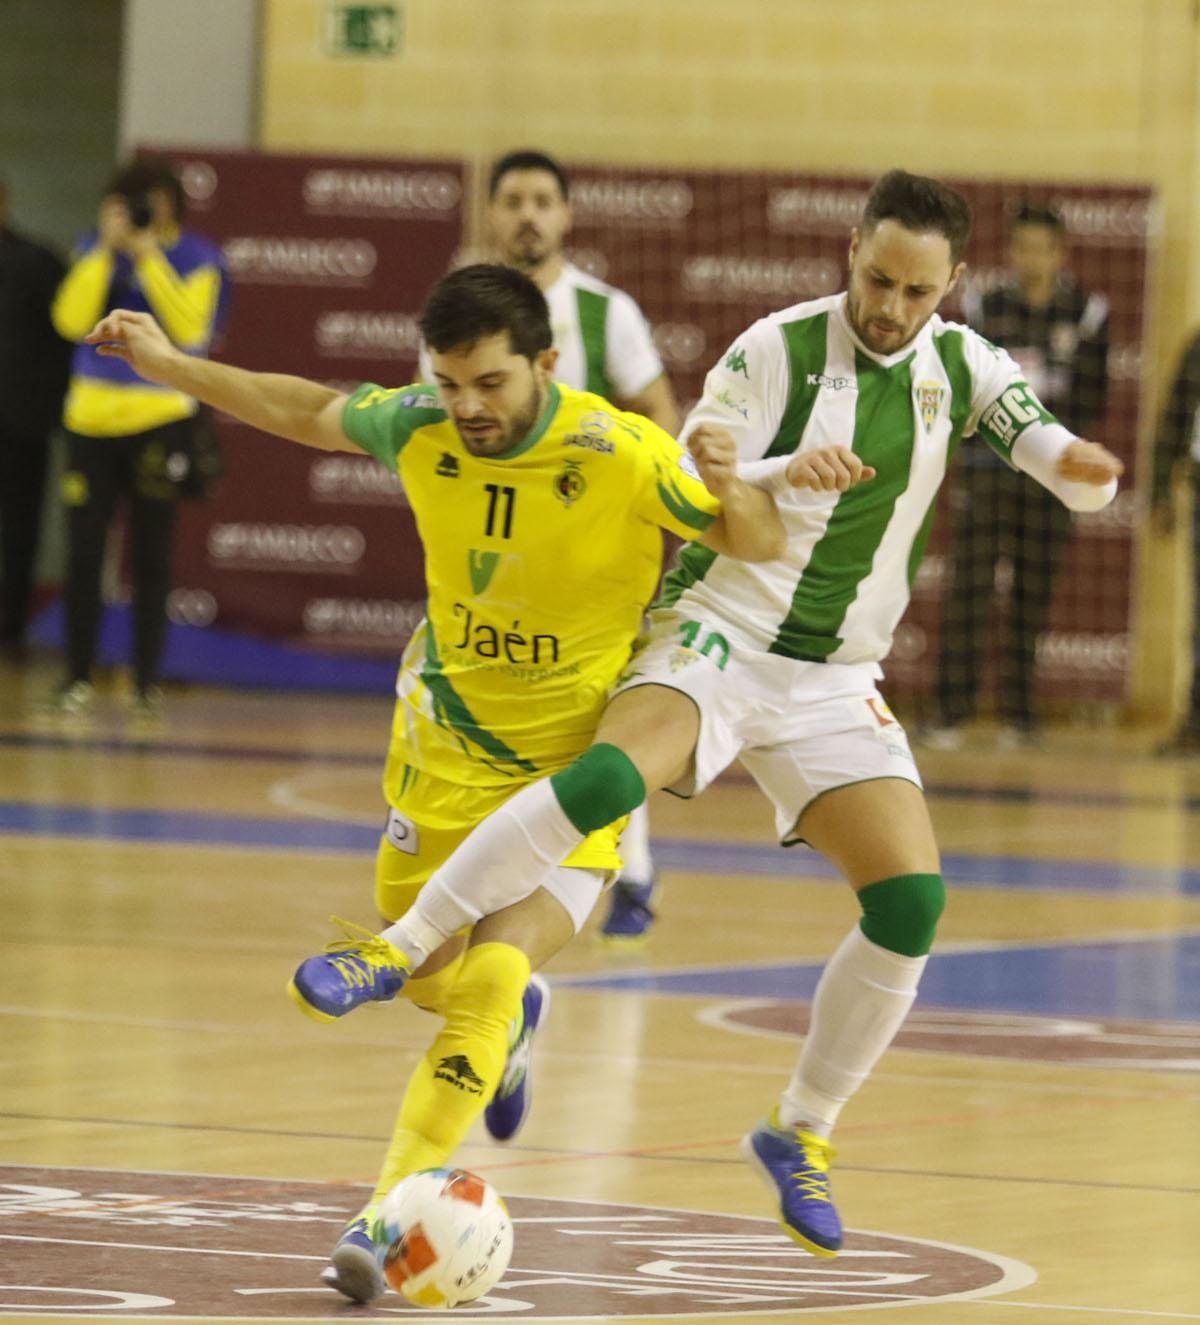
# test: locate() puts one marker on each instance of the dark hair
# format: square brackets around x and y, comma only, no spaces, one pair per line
[527,158]
[1033,213]
[483,300]
[921,205]
[134,180]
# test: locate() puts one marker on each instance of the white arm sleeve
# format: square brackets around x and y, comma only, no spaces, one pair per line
[746,392]
[1037,452]
[631,358]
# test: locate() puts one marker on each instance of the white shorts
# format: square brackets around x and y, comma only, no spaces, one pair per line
[800,728]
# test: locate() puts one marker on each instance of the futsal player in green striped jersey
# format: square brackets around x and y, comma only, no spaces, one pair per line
[849,409]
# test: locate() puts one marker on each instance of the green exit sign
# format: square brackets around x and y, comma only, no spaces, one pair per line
[364,29]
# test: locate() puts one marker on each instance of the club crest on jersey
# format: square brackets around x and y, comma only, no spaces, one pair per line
[929,400]
[569,483]
[447,466]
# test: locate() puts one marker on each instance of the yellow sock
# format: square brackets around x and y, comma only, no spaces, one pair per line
[454,1081]
[432,992]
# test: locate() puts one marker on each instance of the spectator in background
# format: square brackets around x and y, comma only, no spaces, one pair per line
[128,438]
[1177,445]
[33,380]
[604,346]
[1057,331]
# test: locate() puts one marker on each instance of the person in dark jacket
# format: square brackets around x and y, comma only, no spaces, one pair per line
[1057,330]
[33,380]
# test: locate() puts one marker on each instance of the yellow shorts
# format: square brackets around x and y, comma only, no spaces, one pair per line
[429,817]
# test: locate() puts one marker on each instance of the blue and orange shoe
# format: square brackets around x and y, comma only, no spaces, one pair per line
[796,1165]
[354,1268]
[630,914]
[360,968]
[509,1107]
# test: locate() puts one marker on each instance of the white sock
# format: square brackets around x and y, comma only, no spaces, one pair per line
[635,848]
[861,1001]
[501,862]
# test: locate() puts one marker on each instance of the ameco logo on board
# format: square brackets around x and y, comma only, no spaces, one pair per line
[815,208]
[341,333]
[345,192]
[384,619]
[104,1240]
[295,260]
[357,480]
[717,276]
[646,201]
[337,548]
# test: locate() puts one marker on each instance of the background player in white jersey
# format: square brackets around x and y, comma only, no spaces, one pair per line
[604,345]
[859,400]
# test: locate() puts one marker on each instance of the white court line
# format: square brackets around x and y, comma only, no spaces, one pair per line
[289,794]
[1127,1312]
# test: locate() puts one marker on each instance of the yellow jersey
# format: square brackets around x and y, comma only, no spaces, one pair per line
[539,564]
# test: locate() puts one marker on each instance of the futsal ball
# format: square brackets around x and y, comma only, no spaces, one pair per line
[443,1237]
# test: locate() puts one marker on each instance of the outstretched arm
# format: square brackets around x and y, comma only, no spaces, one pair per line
[1081,474]
[291,407]
[749,526]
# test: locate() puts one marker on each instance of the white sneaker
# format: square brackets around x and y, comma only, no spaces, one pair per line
[1010,738]
[941,738]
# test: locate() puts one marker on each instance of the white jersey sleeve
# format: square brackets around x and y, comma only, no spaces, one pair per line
[746,392]
[631,359]
[1007,414]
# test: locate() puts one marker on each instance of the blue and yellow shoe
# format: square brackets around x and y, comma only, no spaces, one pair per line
[360,968]
[630,914]
[796,1165]
[353,1267]
[509,1107]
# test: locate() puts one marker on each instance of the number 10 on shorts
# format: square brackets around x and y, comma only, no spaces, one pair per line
[714,647]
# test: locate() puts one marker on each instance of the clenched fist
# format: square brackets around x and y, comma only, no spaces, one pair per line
[828,469]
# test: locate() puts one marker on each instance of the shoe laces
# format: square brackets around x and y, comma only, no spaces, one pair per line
[360,948]
[813,1179]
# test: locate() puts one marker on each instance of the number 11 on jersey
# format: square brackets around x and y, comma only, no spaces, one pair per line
[499,498]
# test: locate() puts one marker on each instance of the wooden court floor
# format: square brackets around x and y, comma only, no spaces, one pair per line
[176,1141]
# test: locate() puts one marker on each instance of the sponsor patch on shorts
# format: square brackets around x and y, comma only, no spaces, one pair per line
[402,833]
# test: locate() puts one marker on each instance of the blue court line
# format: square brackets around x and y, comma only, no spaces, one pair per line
[127,745]
[186,827]
[118,744]
[1153,978]
[1037,873]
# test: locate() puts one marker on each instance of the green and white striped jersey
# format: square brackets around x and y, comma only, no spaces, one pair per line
[604,343]
[799,380]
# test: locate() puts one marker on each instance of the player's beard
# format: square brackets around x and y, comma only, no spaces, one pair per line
[864,333]
[520,426]
[529,250]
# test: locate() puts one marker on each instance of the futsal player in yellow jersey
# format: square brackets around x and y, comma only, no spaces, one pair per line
[540,510]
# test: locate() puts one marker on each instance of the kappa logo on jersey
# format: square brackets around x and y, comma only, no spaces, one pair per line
[735,361]
[447,466]
[402,833]
[929,400]
[482,566]
[832,383]
[570,485]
